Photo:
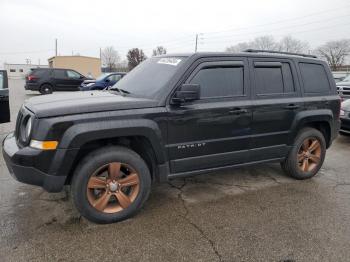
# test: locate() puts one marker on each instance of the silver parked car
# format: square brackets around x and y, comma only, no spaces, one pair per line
[343,87]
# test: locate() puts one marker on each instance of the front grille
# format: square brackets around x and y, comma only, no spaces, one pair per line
[343,90]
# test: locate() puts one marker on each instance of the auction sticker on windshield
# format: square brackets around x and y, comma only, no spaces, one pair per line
[169,61]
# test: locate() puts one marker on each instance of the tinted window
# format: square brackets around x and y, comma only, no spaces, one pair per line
[276,79]
[60,74]
[314,78]
[72,74]
[219,81]
[269,80]
[1,80]
[38,72]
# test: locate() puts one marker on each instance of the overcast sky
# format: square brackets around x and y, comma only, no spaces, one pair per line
[29,27]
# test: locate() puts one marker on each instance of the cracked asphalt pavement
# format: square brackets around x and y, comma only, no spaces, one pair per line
[246,214]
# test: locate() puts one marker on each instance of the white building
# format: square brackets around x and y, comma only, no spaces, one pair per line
[18,71]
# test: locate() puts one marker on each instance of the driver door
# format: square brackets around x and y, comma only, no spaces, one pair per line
[4,98]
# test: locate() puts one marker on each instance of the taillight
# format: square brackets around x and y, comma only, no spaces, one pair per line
[31,77]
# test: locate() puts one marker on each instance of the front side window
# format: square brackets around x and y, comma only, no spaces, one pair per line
[314,78]
[72,74]
[218,81]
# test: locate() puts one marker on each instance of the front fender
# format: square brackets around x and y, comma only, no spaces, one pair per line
[79,134]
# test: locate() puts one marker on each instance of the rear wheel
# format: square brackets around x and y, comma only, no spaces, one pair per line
[307,154]
[111,184]
[45,89]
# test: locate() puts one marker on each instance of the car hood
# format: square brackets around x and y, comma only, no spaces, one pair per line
[84,102]
[346,105]
[343,83]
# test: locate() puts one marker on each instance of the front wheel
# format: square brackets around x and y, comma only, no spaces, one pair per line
[111,184]
[307,154]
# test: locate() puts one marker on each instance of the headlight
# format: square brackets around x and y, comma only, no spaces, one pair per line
[26,129]
[90,84]
[342,112]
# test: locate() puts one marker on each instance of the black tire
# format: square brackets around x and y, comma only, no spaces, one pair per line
[46,89]
[291,165]
[87,167]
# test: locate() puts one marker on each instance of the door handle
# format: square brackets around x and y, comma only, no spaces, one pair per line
[291,106]
[237,111]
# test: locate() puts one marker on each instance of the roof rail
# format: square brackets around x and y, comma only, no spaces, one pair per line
[277,52]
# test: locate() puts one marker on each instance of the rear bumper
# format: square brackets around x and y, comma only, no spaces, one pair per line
[31,86]
[21,169]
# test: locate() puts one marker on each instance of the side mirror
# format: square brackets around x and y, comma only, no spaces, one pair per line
[187,93]
[81,77]
[107,80]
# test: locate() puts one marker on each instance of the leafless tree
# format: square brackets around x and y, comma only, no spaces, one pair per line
[110,58]
[160,50]
[335,52]
[238,48]
[264,43]
[293,45]
[261,43]
[135,56]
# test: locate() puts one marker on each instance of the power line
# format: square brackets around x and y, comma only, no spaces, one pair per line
[279,21]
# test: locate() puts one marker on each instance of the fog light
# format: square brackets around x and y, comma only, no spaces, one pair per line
[43,145]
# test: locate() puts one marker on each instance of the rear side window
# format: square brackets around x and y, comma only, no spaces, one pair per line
[314,78]
[220,81]
[60,74]
[272,79]
[38,73]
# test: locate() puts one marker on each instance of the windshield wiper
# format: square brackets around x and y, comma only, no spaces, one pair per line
[119,90]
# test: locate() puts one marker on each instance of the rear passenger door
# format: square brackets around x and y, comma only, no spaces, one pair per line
[61,80]
[276,102]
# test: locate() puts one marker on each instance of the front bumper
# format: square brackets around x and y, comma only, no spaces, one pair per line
[345,125]
[20,164]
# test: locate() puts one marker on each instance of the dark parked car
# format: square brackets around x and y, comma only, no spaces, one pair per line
[175,116]
[47,80]
[102,82]
[4,98]
[345,117]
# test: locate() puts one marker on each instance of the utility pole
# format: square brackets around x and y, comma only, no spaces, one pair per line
[55,46]
[195,49]
[100,53]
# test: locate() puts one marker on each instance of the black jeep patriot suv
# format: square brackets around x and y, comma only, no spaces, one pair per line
[174,116]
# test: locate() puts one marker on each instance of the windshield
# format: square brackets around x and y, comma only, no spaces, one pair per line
[101,77]
[346,79]
[150,76]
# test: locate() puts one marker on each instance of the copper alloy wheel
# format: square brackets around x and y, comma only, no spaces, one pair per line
[113,187]
[309,154]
